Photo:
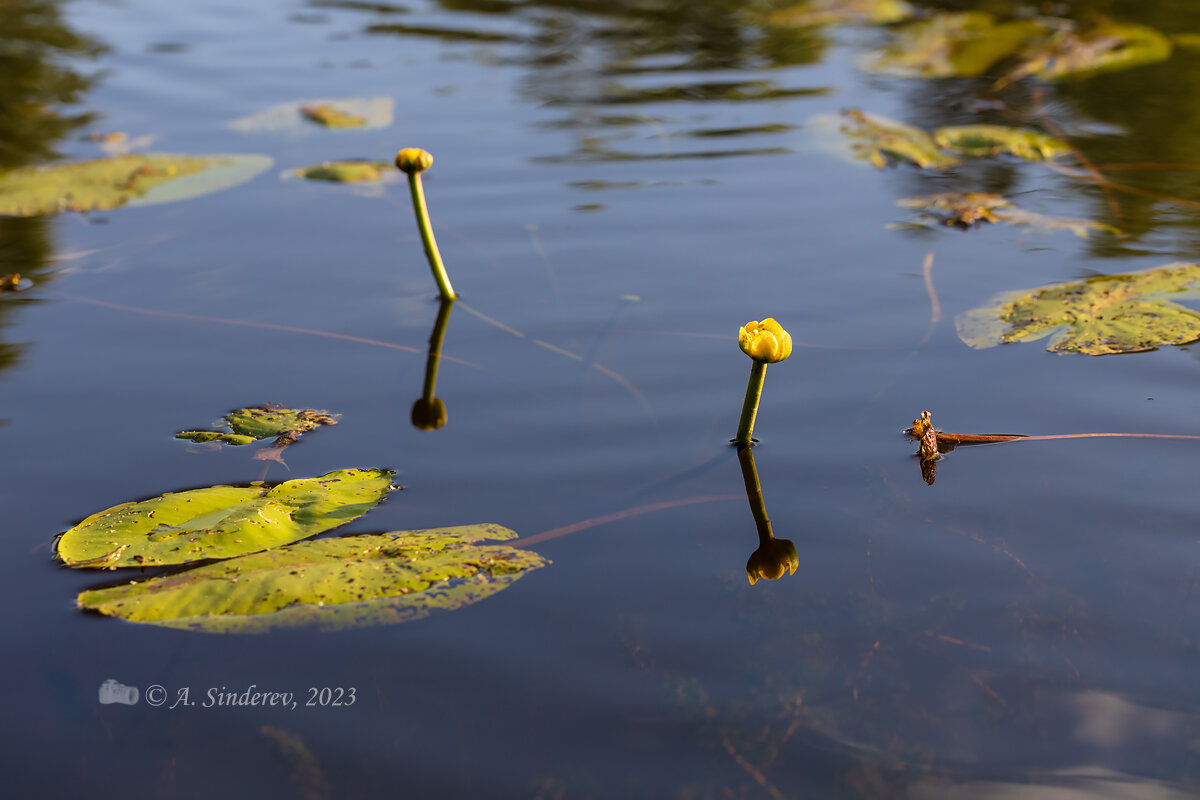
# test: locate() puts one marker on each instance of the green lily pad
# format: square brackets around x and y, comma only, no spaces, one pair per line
[841,12]
[1105,46]
[966,210]
[375,112]
[949,45]
[882,141]
[1098,316]
[982,141]
[328,584]
[221,521]
[262,422]
[107,183]
[346,171]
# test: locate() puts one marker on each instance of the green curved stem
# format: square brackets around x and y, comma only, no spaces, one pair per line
[758,374]
[431,248]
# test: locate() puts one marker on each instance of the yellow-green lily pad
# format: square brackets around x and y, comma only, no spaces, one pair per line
[330,116]
[949,45]
[328,584]
[840,12]
[375,112]
[1106,314]
[346,171]
[982,141]
[135,180]
[248,425]
[882,141]
[969,209]
[221,521]
[1105,46]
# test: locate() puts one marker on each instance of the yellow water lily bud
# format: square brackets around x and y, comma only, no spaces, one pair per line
[428,415]
[413,160]
[765,341]
[772,558]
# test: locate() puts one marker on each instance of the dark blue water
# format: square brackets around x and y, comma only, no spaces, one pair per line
[1026,626]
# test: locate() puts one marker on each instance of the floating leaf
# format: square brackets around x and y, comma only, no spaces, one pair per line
[969,209]
[1104,47]
[841,12]
[952,45]
[881,141]
[346,171]
[221,521]
[981,141]
[330,116]
[134,180]
[262,422]
[328,584]
[376,112]
[1101,315]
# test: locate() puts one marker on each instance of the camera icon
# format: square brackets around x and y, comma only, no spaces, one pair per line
[112,691]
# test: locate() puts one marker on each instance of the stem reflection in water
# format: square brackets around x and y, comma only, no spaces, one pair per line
[429,412]
[774,556]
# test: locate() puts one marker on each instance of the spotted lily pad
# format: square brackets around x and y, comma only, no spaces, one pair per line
[106,183]
[221,521]
[346,171]
[967,210]
[248,425]
[952,45]
[841,12]
[1105,46]
[328,584]
[375,112]
[1101,315]
[981,141]
[882,141]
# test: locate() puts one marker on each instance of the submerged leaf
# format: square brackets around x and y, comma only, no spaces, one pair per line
[107,183]
[1104,47]
[841,12]
[221,521]
[952,45]
[329,584]
[346,171]
[981,141]
[261,422]
[973,208]
[1101,315]
[881,141]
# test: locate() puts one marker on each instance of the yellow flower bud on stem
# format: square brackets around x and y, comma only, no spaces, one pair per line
[413,161]
[765,342]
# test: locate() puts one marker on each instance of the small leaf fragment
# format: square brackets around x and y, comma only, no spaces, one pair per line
[262,422]
[970,209]
[841,12]
[982,141]
[881,141]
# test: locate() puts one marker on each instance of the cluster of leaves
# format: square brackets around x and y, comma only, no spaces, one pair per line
[882,141]
[257,574]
